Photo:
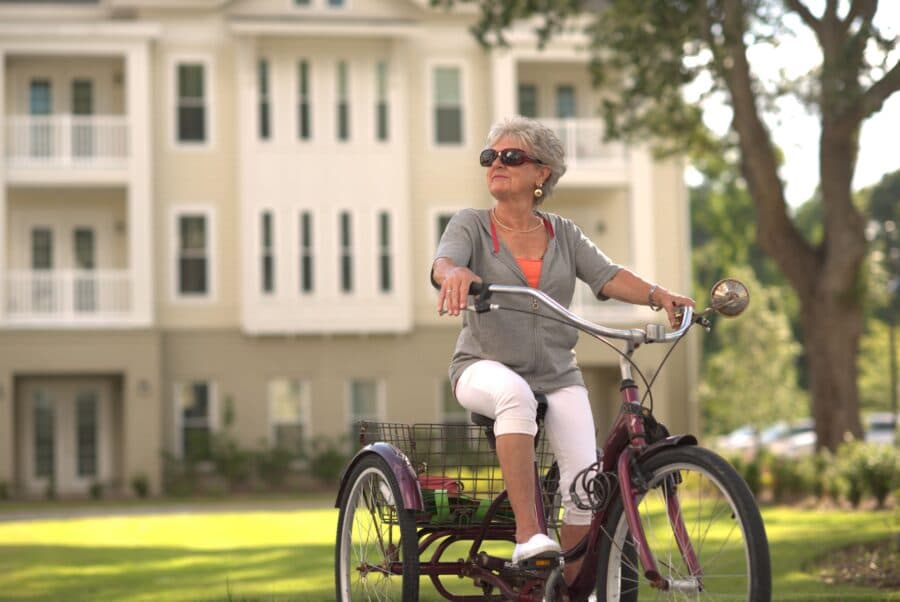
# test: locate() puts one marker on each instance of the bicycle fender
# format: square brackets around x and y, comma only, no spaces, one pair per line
[399,465]
[671,441]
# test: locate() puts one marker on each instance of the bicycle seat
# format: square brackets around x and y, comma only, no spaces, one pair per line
[488,422]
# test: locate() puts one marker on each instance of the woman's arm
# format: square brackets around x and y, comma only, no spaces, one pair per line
[629,287]
[454,281]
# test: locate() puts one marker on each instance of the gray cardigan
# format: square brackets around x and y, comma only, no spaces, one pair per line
[540,350]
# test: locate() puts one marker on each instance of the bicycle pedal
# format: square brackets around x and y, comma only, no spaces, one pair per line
[540,563]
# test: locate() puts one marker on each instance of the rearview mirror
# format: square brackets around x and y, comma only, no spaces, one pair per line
[729,297]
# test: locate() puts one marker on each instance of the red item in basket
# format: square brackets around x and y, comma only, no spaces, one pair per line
[438,482]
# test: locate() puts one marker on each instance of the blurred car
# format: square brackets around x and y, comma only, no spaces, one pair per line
[797,439]
[880,427]
[783,438]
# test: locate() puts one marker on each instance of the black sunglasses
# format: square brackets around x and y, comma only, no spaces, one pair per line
[508,156]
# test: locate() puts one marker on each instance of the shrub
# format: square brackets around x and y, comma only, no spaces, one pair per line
[880,471]
[327,459]
[273,465]
[4,490]
[140,484]
[787,478]
[851,469]
[96,490]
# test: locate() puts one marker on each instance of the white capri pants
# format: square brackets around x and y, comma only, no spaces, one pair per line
[492,389]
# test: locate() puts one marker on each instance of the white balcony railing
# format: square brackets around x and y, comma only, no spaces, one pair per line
[67,140]
[583,141]
[67,296]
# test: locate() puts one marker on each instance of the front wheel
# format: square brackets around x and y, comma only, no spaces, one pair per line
[376,557]
[722,522]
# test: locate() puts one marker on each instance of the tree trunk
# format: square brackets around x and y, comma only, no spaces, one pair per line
[831,331]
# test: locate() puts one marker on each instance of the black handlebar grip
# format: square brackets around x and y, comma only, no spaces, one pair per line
[475,288]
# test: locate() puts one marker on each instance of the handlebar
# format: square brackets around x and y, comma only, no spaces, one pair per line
[653,333]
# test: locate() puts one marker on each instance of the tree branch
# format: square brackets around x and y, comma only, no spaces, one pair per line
[810,19]
[776,232]
[874,97]
[860,7]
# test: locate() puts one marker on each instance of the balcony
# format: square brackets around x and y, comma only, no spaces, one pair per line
[590,160]
[68,298]
[66,148]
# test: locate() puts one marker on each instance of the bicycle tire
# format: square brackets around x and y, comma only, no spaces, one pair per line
[722,520]
[374,530]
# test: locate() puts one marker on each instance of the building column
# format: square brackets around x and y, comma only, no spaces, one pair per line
[245,57]
[643,224]
[504,87]
[140,192]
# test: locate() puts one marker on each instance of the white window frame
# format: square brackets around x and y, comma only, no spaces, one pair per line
[379,98]
[433,237]
[305,407]
[178,422]
[354,252]
[209,212]
[308,98]
[314,250]
[431,67]
[347,98]
[391,249]
[208,62]
[264,98]
[380,400]
[262,249]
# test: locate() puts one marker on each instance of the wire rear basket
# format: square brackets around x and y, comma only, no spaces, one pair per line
[458,471]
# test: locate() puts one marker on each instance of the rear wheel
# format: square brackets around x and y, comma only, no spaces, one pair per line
[721,519]
[376,557]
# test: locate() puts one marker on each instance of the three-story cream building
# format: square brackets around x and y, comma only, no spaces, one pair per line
[211,207]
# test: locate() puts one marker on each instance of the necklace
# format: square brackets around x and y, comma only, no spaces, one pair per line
[510,229]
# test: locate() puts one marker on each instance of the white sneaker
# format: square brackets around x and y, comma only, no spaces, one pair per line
[537,545]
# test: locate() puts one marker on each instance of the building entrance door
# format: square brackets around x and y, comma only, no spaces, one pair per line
[66,434]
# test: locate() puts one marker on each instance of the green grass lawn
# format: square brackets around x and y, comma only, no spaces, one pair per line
[197,554]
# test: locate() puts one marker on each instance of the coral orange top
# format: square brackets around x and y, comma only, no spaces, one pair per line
[532,270]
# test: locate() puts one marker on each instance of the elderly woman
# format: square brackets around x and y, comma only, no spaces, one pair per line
[502,358]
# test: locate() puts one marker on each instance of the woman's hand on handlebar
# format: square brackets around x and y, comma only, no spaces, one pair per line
[672,303]
[454,281]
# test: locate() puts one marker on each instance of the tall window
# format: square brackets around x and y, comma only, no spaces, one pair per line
[83,107]
[289,403]
[193,254]
[40,104]
[85,259]
[343,101]
[304,125]
[385,257]
[86,432]
[43,291]
[195,410]
[306,252]
[381,100]
[364,404]
[448,112]
[565,102]
[267,252]
[44,436]
[265,126]
[336,3]
[346,240]
[451,411]
[191,110]
[528,100]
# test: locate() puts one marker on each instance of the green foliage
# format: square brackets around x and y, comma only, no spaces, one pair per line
[750,470]
[96,490]
[140,485]
[4,490]
[327,459]
[866,468]
[273,465]
[788,480]
[873,362]
[752,379]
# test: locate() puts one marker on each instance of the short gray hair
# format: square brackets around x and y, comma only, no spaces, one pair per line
[542,143]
